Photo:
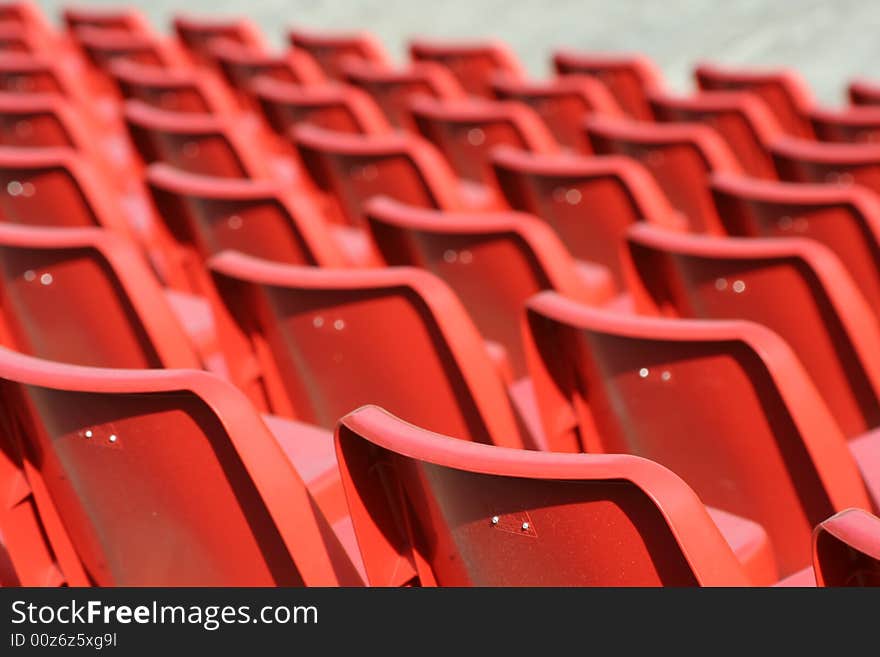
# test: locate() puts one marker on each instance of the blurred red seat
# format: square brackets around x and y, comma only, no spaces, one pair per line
[315,344]
[562,103]
[195,33]
[17,37]
[44,120]
[335,107]
[109,458]
[479,515]
[864,92]
[725,405]
[466,132]
[330,49]
[741,119]
[393,89]
[846,219]
[846,550]
[679,155]
[127,19]
[800,160]
[493,262]
[795,287]
[473,63]
[102,46]
[850,125]
[628,77]
[40,73]
[588,201]
[783,90]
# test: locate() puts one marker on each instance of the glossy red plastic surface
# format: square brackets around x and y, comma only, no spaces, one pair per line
[800,160]
[473,63]
[331,49]
[846,550]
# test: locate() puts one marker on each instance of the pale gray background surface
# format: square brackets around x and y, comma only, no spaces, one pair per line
[827,41]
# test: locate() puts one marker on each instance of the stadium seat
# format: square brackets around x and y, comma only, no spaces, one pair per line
[593,520]
[103,46]
[864,92]
[783,90]
[393,89]
[352,168]
[335,107]
[493,261]
[110,457]
[26,13]
[309,343]
[195,33]
[741,119]
[127,19]
[799,160]
[473,63]
[679,155]
[795,287]
[846,219]
[562,103]
[850,125]
[628,77]
[19,38]
[588,201]
[41,73]
[44,120]
[725,405]
[331,49]
[467,131]
[846,550]
[86,296]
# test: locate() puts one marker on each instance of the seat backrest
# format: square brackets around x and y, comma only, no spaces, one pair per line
[335,107]
[256,217]
[795,287]
[725,405]
[173,90]
[863,92]
[800,160]
[354,168]
[473,63]
[588,201]
[850,125]
[329,341]
[680,156]
[85,296]
[846,219]
[331,49]
[199,143]
[43,120]
[740,118]
[26,13]
[783,90]
[35,73]
[846,550]
[466,131]
[493,262]
[453,513]
[16,37]
[628,77]
[394,88]
[241,65]
[55,187]
[126,19]
[195,33]
[111,456]
[104,45]
[562,103]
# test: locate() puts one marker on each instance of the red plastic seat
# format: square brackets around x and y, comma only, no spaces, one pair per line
[86,296]
[446,512]
[864,92]
[258,217]
[795,287]
[43,120]
[110,457]
[783,90]
[679,155]
[846,550]
[335,107]
[195,33]
[588,201]
[725,405]
[562,103]
[127,19]
[393,89]
[628,77]
[800,160]
[17,37]
[850,125]
[173,90]
[473,63]
[241,65]
[316,344]
[845,219]
[331,49]
[467,131]
[199,143]
[352,168]
[741,119]
[493,261]
[39,73]
[103,46]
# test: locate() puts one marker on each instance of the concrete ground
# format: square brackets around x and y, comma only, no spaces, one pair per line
[828,42]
